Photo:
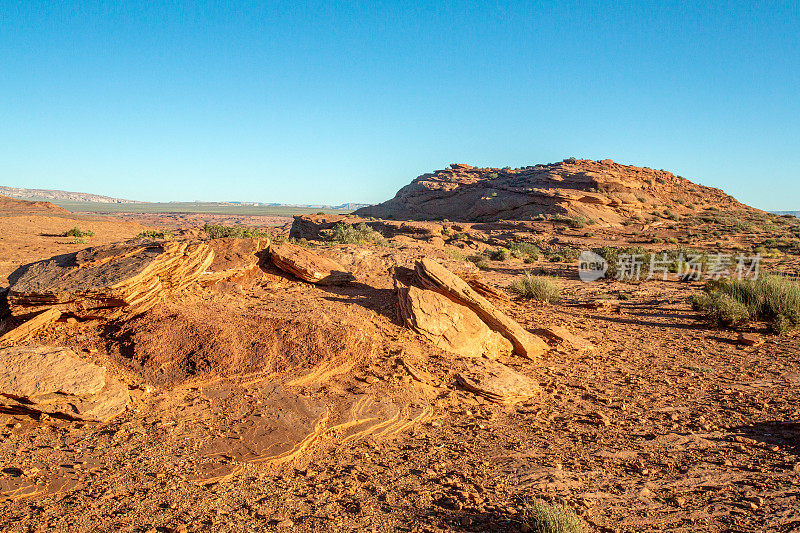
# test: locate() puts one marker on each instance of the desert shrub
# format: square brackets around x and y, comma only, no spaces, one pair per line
[358,234]
[480,261]
[156,235]
[461,236]
[539,288]
[775,299]
[78,233]
[539,517]
[573,222]
[564,255]
[500,254]
[237,232]
[524,250]
[445,232]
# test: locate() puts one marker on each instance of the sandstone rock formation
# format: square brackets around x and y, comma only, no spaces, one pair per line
[308,266]
[54,380]
[106,281]
[496,382]
[434,276]
[450,326]
[604,191]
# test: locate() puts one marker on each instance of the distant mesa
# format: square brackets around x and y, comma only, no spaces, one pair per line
[53,195]
[602,191]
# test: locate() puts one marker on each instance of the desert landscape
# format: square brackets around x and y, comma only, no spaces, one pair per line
[436,362]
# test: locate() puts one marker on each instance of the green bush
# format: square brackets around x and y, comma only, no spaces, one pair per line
[236,232]
[539,288]
[156,235]
[78,233]
[541,517]
[358,234]
[775,299]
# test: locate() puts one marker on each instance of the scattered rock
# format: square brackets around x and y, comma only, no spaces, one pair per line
[562,335]
[750,339]
[308,266]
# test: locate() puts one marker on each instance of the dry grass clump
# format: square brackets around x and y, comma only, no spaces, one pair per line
[539,288]
[541,517]
[733,302]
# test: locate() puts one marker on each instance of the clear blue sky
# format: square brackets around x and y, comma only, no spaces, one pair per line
[348,101]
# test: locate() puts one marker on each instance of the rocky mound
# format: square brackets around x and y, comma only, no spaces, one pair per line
[603,191]
[14,206]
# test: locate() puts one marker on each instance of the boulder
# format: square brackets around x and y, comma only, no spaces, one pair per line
[496,382]
[434,276]
[449,325]
[308,266]
[54,380]
[108,280]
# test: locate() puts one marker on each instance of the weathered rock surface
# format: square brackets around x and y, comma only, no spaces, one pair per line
[601,190]
[54,380]
[308,266]
[436,277]
[108,280]
[496,382]
[450,326]
[233,258]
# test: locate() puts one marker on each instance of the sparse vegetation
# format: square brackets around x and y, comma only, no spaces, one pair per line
[78,233]
[732,302]
[358,234]
[539,288]
[540,517]
[236,232]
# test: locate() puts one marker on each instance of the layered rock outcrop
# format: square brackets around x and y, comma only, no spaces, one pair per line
[106,281]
